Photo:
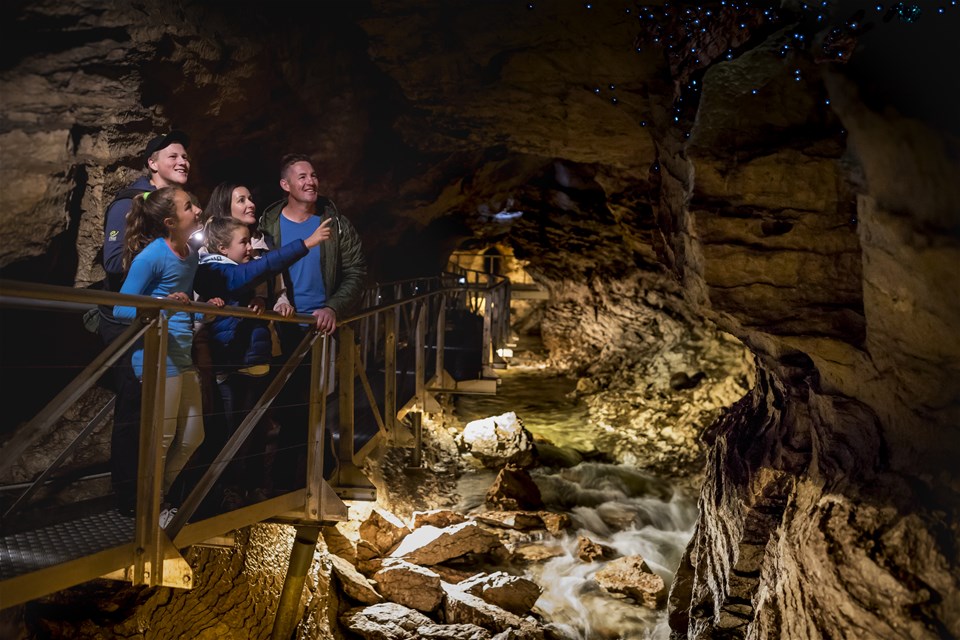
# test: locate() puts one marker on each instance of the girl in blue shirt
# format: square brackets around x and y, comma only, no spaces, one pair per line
[160,263]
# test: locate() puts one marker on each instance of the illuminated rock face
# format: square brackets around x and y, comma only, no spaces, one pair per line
[822,237]
[817,265]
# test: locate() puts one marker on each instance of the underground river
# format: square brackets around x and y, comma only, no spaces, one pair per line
[612,504]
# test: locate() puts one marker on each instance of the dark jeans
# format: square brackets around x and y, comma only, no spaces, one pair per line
[125,439]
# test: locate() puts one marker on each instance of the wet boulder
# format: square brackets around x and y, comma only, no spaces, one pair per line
[514,490]
[461,607]
[432,545]
[410,585]
[556,523]
[497,441]
[632,577]
[513,593]
[590,551]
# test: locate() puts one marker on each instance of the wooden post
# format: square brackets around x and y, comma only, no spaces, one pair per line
[417,457]
[317,423]
[419,365]
[148,560]
[390,372]
[346,361]
[488,336]
[441,331]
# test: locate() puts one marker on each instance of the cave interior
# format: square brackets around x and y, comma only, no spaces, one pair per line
[781,174]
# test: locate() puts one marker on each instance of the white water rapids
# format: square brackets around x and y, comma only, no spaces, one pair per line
[615,505]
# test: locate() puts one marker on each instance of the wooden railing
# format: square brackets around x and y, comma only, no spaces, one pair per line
[399,317]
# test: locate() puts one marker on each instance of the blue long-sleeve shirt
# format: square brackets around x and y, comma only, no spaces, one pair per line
[157,271]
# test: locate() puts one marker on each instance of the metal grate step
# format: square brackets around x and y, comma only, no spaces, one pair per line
[29,551]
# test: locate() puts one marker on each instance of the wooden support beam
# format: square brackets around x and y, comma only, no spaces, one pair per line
[148,566]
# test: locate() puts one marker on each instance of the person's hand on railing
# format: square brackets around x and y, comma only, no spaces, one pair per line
[326,320]
[257,304]
[208,317]
[284,308]
[180,296]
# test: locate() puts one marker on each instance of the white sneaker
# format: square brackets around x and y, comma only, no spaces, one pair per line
[166,515]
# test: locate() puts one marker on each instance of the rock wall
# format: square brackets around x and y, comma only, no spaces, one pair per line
[235,596]
[830,506]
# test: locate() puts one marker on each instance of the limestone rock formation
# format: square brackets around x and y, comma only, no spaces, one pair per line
[498,441]
[631,576]
[382,530]
[430,545]
[386,621]
[354,585]
[410,585]
[513,593]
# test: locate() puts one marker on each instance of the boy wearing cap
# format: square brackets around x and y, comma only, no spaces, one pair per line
[167,164]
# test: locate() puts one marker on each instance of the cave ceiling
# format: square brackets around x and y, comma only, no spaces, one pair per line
[425,118]
[733,166]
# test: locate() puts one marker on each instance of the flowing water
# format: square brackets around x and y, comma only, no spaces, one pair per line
[615,505]
[539,398]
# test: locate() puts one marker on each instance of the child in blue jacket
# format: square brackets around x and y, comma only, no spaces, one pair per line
[242,347]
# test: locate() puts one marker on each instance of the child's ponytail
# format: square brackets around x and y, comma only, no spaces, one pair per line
[145,222]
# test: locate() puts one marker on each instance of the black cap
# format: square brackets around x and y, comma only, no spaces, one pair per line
[162,142]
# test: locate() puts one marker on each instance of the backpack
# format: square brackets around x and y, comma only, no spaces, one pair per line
[91,318]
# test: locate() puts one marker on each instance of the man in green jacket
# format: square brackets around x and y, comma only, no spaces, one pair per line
[326,283]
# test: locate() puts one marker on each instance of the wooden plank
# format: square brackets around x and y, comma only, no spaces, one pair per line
[62,576]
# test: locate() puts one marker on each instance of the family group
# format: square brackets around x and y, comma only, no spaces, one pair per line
[301,256]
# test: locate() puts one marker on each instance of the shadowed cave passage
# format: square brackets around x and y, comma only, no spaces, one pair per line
[734,201]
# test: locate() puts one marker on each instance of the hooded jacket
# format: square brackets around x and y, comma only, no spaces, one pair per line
[114,232]
[341,257]
[241,341]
